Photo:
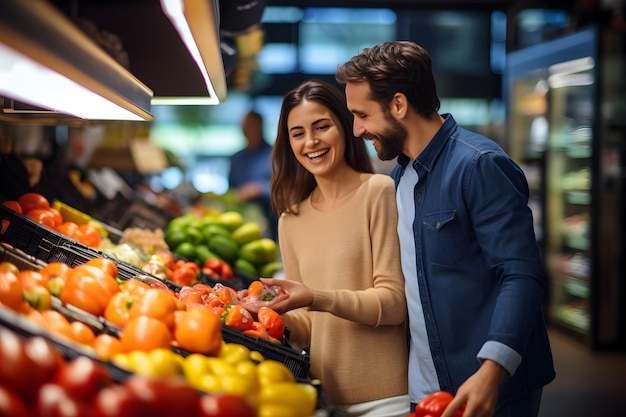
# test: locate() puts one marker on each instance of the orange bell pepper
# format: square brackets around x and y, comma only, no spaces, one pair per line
[118,308]
[239,318]
[158,304]
[272,322]
[89,289]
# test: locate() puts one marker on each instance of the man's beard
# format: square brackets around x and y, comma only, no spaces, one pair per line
[390,141]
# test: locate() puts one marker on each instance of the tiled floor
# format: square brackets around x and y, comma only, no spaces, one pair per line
[588,384]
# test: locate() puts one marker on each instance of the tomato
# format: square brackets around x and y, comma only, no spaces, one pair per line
[68,229]
[82,333]
[42,216]
[145,333]
[31,201]
[57,323]
[200,331]
[272,322]
[56,214]
[89,289]
[20,370]
[45,355]
[90,235]
[155,303]
[107,265]
[11,404]
[119,401]
[106,346]
[37,317]
[13,205]
[226,405]
[10,290]
[55,401]
[82,377]
[164,397]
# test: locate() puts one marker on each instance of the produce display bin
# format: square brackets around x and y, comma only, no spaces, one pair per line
[48,245]
[30,245]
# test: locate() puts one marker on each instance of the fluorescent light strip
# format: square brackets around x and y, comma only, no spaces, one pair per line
[50,63]
[23,79]
[570,67]
[570,80]
[175,10]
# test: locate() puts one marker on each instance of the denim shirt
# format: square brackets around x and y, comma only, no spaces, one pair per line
[479,271]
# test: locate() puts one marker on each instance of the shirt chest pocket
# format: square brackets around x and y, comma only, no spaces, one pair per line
[443,238]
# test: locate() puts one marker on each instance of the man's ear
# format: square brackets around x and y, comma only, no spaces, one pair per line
[399,106]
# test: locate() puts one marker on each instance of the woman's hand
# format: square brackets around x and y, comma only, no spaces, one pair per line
[299,295]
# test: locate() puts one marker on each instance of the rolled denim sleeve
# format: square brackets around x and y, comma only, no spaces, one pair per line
[500,354]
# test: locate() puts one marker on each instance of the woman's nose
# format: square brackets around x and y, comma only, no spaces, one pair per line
[311,140]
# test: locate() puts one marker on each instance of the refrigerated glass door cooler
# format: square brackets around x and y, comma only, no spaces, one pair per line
[566,104]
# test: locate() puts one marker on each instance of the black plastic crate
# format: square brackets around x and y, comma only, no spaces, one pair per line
[19,258]
[26,234]
[74,253]
[298,363]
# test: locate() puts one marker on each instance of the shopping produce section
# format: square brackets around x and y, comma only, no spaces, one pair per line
[146,327]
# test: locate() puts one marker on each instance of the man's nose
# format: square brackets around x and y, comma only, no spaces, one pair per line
[358,128]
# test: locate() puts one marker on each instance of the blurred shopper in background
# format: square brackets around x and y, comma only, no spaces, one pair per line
[474,278]
[341,255]
[251,169]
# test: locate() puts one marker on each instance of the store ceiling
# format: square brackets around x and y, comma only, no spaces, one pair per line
[149,45]
[157,57]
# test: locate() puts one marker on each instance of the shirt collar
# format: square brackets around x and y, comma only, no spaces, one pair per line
[434,147]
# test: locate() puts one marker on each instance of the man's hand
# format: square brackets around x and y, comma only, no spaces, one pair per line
[479,392]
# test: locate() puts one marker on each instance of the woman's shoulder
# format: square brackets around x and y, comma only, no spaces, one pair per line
[376,185]
[379,181]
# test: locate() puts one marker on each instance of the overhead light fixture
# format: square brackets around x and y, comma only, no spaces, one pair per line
[576,72]
[46,61]
[196,23]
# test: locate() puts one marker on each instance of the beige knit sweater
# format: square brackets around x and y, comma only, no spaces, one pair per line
[355,329]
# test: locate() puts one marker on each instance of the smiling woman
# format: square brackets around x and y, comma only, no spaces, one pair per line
[344,280]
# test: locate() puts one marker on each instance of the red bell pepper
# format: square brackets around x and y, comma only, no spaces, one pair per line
[435,404]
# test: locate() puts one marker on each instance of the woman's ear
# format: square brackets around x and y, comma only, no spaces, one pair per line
[399,106]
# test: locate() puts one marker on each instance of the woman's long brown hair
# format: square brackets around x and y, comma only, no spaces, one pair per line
[291,182]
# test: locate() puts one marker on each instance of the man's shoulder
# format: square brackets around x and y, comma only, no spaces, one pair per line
[476,141]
